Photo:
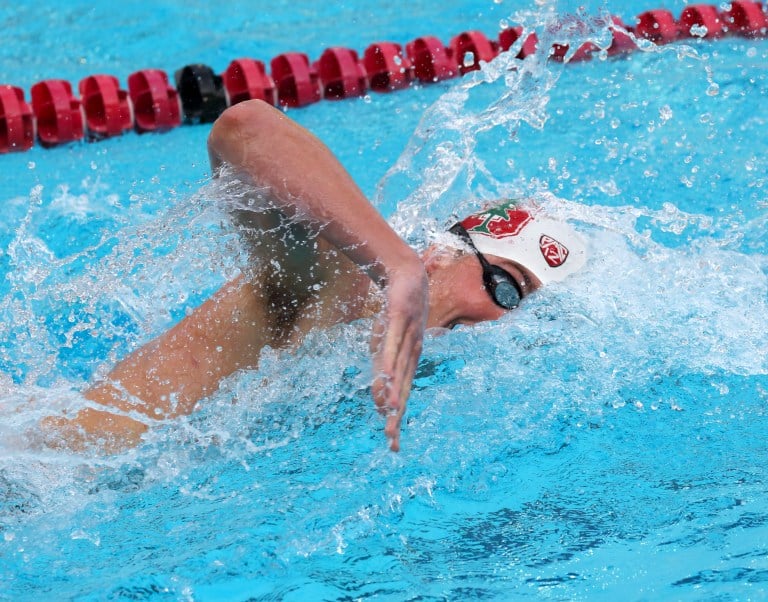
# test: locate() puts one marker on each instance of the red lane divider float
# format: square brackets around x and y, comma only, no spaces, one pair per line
[151,104]
[17,128]
[658,26]
[246,79]
[57,112]
[511,35]
[387,67]
[746,19]
[296,80]
[156,105]
[432,61]
[341,74]
[701,20]
[107,109]
[471,47]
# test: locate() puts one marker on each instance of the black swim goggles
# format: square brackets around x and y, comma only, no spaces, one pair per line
[501,286]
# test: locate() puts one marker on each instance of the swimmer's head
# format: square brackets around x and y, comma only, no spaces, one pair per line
[550,249]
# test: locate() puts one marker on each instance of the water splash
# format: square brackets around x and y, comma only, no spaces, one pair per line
[285,466]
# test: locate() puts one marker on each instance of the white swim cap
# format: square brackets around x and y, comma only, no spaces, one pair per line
[551,249]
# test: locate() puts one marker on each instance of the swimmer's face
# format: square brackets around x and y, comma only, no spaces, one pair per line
[458,294]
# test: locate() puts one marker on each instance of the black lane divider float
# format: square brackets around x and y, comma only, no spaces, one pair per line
[151,104]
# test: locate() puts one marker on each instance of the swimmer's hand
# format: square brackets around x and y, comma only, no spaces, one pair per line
[397,341]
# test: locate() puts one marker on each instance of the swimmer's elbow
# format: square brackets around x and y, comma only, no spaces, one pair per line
[240,129]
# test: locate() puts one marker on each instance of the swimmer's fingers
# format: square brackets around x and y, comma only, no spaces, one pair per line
[400,389]
[398,342]
[391,387]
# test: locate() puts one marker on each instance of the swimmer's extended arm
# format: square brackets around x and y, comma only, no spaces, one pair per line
[307,180]
[167,376]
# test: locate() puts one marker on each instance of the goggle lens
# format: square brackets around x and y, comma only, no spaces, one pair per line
[505,291]
[502,287]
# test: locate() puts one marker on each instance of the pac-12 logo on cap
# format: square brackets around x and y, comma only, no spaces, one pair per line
[555,253]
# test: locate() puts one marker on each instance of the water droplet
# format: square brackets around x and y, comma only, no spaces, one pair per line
[31,165]
[699,31]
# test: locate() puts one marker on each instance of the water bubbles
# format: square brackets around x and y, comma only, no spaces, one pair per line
[600,109]
[665,113]
[31,165]
[699,31]
[713,89]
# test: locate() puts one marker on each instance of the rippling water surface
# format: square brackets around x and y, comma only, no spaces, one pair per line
[606,441]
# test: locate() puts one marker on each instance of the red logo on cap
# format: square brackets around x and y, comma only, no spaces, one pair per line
[498,222]
[554,252]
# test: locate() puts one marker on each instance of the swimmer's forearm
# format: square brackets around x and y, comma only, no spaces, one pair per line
[304,175]
[168,376]
[105,430]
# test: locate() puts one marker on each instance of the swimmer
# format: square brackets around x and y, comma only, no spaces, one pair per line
[324,256]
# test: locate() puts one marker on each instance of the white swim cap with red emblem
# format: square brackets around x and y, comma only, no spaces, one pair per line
[551,249]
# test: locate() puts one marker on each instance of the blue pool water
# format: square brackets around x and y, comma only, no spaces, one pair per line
[607,441]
